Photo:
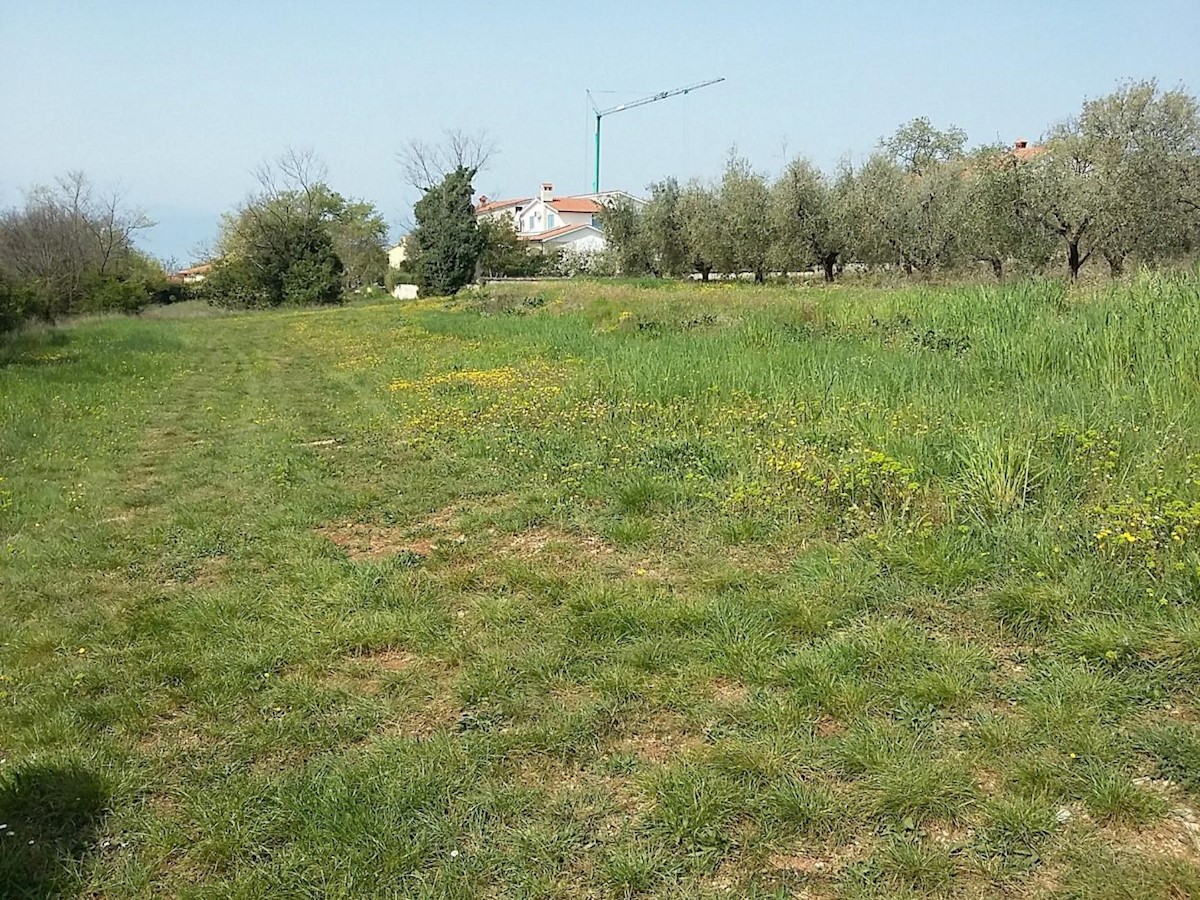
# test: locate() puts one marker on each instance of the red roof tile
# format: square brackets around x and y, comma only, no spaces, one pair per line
[575,205]
[499,204]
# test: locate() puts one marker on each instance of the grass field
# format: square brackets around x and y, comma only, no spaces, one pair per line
[608,590]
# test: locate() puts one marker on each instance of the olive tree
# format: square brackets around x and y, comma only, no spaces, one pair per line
[913,220]
[917,147]
[747,227]
[1117,180]
[809,215]
[625,233]
[662,223]
[700,226]
[997,227]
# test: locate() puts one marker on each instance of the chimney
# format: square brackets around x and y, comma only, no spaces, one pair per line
[1021,144]
[483,199]
[547,192]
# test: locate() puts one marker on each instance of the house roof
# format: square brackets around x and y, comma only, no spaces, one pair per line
[556,232]
[202,269]
[575,205]
[490,205]
[1022,151]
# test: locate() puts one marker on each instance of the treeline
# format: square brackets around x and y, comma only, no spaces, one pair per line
[1119,182]
[69,249]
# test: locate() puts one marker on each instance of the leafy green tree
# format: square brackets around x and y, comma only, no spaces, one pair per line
[809,218]
[917,147]
[903,218]
[295,264]
[700,226]
[1116,180]
[662,222]
[19,302]
[997,226]
[278,247]
[747,227]
[359,236]
[446,245]
[625,233]
[504,253]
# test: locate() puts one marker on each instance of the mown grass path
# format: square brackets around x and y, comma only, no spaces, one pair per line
[607,590]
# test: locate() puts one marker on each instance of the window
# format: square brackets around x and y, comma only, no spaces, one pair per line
[549,220]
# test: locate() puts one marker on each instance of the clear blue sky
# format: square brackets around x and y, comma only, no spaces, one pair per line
[178,101]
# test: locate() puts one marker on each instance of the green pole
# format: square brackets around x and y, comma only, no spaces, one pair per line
[596,180]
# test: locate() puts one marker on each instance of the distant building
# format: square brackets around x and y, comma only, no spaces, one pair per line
[191,275]
[549,221]
[1022,151]
[398,254]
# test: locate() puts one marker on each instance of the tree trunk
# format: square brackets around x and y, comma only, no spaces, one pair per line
[828,263]
[705,271]
[1073,260]
[997,268]
[1116,264]
[759,276]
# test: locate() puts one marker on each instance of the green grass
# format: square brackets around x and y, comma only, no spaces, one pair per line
[607,589]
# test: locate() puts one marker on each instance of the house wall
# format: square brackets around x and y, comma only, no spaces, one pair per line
[536,218]
[572,218]
[533,218]
[397,255]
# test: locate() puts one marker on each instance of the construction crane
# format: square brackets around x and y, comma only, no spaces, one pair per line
[601,113]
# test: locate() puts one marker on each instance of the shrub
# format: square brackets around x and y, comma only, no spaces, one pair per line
[18,303]
[301,270]
[232,284]
[570,263]
[110,293]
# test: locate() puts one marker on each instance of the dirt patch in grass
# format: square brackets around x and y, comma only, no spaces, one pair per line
[1177,834]
[361,541]
[207,572]
[171,733]
[376,540]
[829,727]
[1174,836]
[658,739]
[728,692]
[437,712]
[365,670]
[542,541]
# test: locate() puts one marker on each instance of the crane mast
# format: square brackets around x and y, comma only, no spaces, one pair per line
[653,98]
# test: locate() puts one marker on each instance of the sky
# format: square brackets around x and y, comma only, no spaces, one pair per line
[176,102]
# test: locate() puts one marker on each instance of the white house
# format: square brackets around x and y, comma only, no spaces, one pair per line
[191,275]
[558,222]
[398,254]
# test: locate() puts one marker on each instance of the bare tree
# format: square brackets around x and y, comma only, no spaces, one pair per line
[424,165]
[67,233]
